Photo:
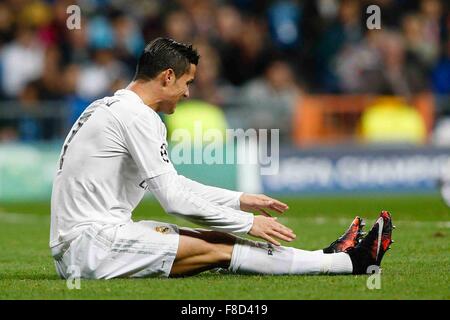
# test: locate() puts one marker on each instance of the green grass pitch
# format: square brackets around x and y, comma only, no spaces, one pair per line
[417,267]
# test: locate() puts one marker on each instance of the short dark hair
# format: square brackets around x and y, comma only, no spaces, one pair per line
[165,53]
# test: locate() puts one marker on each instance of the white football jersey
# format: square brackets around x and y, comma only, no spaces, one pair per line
[115,145]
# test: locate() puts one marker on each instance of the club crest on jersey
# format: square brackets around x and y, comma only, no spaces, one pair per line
[163,152]
[162,229]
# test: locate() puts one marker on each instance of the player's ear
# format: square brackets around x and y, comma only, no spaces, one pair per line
[168,77]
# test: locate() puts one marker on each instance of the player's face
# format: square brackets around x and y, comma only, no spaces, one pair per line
[178,90]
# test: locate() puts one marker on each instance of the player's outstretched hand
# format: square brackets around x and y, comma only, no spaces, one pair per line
[261,203]
[270,229]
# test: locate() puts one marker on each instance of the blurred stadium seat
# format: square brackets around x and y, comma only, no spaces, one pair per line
[328,119]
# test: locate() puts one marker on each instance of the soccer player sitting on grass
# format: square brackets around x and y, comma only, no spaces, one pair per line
[117,150]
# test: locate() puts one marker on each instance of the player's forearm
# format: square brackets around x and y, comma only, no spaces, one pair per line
[195,209]
[179,200]
[215,195]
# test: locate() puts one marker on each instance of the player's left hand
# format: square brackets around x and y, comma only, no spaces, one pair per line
[261,203]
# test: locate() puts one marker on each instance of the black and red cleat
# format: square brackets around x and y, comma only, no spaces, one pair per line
[349,239]
[371,249]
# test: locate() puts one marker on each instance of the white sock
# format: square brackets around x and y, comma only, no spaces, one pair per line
[262,258]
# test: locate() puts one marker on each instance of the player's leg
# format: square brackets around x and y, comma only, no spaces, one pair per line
[264,258]
[201,250]
[256,257]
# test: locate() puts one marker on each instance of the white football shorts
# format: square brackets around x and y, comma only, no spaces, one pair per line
[136,249]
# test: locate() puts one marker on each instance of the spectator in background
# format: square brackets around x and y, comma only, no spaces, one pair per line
[8,129]
[325,43]
[230,27]
[418,47]
[22,61]
[316,16]
[6,36]
[284,21]
[75,48]
[129,41]
[356,66]
[398,75]
[40,121]
[379,65]
[345,30]
[268,101]
[94,79]
[101,33]
[30,125]
[441,73]
[75,103]
[431,12]
[202,13]
[441,87]
[178,25]
[49,84]
[391,10]
[97,77]
[6,24]
[38,15]
[208,85]
[242,45]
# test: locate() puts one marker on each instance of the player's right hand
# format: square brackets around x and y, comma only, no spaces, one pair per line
[270,229]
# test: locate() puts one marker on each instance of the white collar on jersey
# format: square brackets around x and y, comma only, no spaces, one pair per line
[130,94]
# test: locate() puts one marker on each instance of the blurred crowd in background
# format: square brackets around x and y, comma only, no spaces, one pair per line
[258,57]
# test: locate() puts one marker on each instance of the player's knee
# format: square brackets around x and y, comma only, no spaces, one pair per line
[220,246]
[220,253]
[210,247]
